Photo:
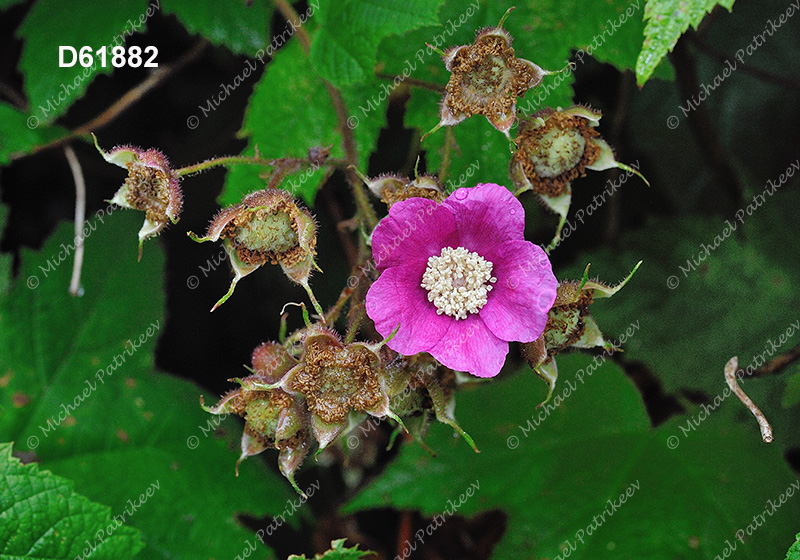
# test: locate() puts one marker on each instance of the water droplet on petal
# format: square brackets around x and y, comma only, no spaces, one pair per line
[461,194]
[513,211]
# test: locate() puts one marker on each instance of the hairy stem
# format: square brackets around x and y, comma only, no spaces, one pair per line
[447,154]
[224,161]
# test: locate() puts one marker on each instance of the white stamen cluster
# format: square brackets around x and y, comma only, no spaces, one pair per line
[458,282]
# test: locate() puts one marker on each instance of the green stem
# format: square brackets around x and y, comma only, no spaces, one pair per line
[444,169]
[224,161]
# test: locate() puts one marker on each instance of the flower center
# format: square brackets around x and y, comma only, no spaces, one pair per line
[458,282]
[559,151]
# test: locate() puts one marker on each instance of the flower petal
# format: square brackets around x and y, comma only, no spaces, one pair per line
[469,345]
[525,290]
[414,230]
[397,297]
[486,215]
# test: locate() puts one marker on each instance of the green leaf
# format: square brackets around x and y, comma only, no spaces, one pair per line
[667,20]
[6,260]
[21,133]
[291,111]
[343,51]
[52,23]
[791,395]
[243,27]
[80,393]
[337,552]
[591,467]
[41,516]
[794,551]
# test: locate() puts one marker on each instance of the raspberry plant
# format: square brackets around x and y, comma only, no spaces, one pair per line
[394,277]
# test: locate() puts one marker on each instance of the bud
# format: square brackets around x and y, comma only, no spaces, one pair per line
[152,186]
[570,325]
[486,79]
[267,227]
[318,155]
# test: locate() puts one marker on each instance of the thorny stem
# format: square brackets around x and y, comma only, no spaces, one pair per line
[730,379]
[124,102]
[80,215]
[348,140]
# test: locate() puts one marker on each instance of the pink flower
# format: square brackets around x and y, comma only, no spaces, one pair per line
[460,279]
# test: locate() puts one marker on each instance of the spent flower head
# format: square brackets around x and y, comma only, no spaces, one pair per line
[267,227]
[460,279]
[392,188]
[486,79]
[556,146]
[151,186]
[273,418]
[570,325]
[336,379]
